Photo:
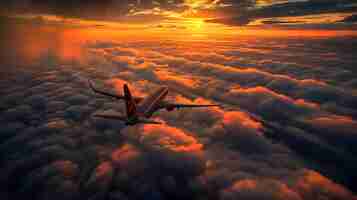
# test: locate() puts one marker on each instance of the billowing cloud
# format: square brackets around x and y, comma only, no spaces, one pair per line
[259,189]
[169,138]
[311,184]
[305,184]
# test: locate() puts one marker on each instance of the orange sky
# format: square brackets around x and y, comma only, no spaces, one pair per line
[65,36]
[181,27]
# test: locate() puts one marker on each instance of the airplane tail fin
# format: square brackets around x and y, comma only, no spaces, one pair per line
[129,102]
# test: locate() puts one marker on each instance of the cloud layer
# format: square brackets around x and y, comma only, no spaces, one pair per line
[286,129]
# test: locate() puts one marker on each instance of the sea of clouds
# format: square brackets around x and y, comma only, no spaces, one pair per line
[287,128]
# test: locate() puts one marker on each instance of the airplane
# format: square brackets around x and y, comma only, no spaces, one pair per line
[139,109]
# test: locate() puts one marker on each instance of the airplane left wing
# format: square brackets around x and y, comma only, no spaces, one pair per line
[105,93]
[109,94]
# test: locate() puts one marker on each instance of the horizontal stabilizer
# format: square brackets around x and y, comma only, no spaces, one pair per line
[125,119]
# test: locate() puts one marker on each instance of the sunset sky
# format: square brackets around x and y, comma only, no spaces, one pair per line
[233,12]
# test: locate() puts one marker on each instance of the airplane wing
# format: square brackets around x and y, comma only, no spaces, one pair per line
[105,93]
[110,94]
[171,106]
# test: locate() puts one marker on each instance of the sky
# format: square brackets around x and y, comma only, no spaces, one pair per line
[234,12]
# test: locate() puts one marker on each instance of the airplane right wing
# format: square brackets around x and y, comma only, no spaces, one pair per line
[172,106]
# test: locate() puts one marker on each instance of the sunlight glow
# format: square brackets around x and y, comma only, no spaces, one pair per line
[195,24]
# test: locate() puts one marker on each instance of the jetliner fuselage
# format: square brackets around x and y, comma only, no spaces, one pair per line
[152,103]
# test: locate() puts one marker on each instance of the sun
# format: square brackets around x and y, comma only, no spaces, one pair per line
[196,24]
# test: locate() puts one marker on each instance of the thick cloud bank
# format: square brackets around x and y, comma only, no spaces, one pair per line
[286,129]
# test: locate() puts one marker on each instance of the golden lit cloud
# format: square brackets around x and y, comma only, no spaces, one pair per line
[124,155]
[170,138]
[234,117]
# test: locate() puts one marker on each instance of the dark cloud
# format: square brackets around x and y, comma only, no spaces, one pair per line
[350,19]
[92,9]
[293,8]
[305,8]
[68,8]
